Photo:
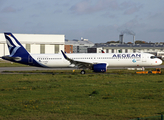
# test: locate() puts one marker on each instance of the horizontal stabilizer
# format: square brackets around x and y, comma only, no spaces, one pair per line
[12,58]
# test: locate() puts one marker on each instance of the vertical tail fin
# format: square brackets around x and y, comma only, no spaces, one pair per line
[17,52]
[14,46]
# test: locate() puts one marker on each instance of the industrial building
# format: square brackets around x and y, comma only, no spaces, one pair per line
[156,49]
[36,43]
[79,46]
[68,48]
[127,48]
[121,47]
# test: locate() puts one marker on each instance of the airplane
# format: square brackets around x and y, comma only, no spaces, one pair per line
[98,62]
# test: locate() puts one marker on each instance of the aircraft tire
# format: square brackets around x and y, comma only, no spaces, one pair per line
[150,72]
[82,72]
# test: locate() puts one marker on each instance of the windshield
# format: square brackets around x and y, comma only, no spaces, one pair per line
[152,57]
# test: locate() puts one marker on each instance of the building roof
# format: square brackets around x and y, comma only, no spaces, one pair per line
[36,38]
[79,42]
[131,45]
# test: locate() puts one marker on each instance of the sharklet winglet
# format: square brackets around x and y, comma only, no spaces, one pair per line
[64,55]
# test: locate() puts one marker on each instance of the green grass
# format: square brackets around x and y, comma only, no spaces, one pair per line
[74,96]
[4,63]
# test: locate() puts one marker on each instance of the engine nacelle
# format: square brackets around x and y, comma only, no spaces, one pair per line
[100,67]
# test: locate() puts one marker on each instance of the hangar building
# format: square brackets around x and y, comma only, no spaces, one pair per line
[36,43]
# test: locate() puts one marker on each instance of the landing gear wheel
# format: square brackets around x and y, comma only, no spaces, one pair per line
[82,72]
[149,72]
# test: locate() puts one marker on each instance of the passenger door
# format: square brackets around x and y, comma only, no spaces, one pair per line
[30,59]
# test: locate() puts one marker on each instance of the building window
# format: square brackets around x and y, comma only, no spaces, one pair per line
[92,50]
[107,50]
[126,50]
[28,47]
[112,50]
[56,48]
[42,48]
[134,50]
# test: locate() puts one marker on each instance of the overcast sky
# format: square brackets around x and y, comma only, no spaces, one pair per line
[96,20]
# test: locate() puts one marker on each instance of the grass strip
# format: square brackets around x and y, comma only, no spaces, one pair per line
[75,96]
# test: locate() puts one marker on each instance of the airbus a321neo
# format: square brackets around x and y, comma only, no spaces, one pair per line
[98,62]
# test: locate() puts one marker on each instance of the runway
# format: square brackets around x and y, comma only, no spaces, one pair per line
[2,69]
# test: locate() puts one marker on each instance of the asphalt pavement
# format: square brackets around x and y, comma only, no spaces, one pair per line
[38,68]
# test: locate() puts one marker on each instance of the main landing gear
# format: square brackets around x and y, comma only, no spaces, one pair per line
[82,72]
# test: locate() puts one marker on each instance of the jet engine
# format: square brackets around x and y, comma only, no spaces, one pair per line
[100,67]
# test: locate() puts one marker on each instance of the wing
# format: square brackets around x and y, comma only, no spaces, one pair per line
[80,64]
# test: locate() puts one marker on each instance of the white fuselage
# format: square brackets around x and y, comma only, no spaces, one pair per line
[111,59]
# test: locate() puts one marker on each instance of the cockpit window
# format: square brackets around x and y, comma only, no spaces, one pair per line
[152,57]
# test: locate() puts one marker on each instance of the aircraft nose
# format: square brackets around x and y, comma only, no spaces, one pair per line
[159,61]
